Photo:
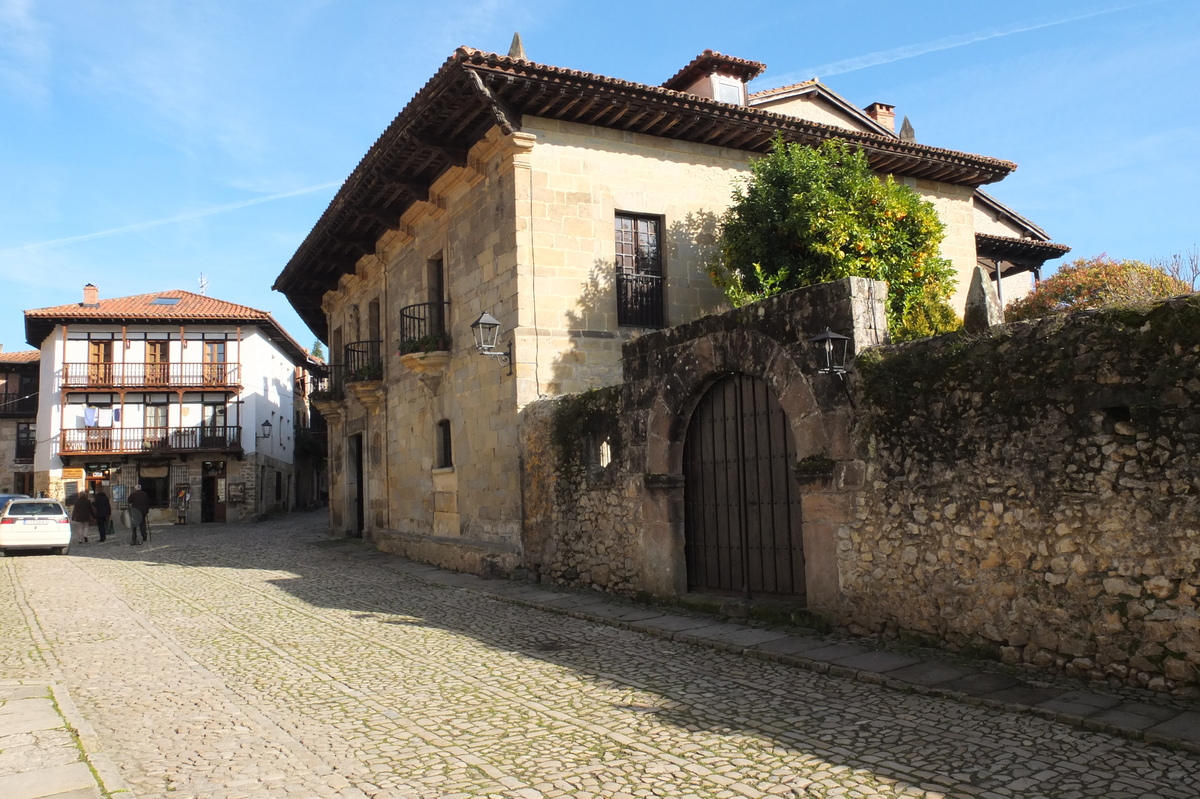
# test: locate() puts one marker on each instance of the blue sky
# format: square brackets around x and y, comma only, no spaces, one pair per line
[147,142]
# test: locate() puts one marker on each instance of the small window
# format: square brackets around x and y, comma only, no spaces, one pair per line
[639,271]
[165,301]
[445,452]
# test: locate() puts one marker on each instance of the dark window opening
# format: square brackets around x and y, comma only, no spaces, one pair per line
[639,271]
[26,442]
[278,486]
[156,482]
[445,454]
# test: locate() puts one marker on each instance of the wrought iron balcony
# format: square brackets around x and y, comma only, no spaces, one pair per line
[363,361]
[18,404]
[129,440]
[151,375]
[423,327]
[639,300]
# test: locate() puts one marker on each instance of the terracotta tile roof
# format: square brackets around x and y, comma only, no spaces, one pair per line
[784,89]
[21,356]
[710,61]
[1018,255]
[173,307]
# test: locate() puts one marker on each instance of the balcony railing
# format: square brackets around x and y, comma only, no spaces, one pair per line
[423,327]
[25,451]
[128,440]
[151,375]
[639,300]
[363,361]
[18,404]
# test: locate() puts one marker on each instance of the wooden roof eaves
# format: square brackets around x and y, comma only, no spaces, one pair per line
[988,245]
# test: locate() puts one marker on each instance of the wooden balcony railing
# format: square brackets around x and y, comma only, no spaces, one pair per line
[18,404]
[151,375]
[128,440]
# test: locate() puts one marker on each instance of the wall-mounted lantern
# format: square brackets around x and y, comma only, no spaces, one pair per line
[832,349]
[266,430]
[486,329]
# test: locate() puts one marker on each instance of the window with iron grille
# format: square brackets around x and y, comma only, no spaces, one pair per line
[26,442]
[639,271]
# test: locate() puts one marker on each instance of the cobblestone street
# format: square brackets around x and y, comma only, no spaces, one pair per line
[246,661]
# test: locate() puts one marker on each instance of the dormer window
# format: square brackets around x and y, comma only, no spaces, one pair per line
[728,90]
[717,77]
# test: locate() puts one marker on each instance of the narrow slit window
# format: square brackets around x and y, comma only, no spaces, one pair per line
[445,452]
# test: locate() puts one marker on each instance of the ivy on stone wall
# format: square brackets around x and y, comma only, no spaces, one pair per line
[579,425]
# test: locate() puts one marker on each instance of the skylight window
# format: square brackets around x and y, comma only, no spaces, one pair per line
[165,301]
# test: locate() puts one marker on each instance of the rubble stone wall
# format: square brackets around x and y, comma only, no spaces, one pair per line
[1036,492]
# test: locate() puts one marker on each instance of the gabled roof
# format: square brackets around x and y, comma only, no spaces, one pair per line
[174,307]
[813,88]
[20,357]
[475,91]
[1028,228]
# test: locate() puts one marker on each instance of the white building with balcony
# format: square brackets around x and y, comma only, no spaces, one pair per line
[191,397]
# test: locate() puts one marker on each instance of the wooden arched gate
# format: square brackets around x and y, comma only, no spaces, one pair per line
[742,510]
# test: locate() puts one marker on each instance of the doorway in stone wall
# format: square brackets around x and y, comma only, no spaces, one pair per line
[742,509]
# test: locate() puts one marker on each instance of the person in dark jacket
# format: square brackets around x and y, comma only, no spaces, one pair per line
[139,509]
[103,510]
[81,516]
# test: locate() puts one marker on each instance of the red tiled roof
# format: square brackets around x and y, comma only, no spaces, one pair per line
[20,356]
[709,61]
[143,309]
[782,89]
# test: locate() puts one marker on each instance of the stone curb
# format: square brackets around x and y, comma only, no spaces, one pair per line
[110,777]
[428,574]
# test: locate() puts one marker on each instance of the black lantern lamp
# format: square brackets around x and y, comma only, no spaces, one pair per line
[486,329]
[832,359]
[266,430]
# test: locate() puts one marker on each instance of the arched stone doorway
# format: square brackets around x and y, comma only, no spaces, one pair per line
[742,519]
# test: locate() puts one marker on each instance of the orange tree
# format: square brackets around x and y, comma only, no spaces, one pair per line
[1097,282]
[810,215]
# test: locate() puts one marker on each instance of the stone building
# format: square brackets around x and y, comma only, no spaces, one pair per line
[577,210]
[18,420]
[189,396]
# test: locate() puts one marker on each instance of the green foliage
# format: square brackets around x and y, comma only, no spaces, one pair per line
[366,372]
[316,351]
[580,421]
[432,342]
[814,215]
[1099,282]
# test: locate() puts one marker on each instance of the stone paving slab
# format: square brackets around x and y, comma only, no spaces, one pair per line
[928,673]
[48,782]
[791,645]
[1184,727]
[979,683]
[1022,694]
[879,662]
[673,623]
[829,654]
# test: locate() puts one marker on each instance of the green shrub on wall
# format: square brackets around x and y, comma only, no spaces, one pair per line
[812,215]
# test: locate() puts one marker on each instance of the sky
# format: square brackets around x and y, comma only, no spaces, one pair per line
[146,143]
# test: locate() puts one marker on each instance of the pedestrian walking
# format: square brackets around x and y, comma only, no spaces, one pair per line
[103,510]
[82,515]
[139,510]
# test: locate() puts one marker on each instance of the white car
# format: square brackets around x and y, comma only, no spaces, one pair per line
[35,524]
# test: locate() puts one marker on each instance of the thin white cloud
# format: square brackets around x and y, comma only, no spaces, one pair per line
[186,217]
[945,43]
[24,51]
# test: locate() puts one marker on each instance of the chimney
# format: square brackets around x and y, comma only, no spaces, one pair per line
[884,114]
[91,296]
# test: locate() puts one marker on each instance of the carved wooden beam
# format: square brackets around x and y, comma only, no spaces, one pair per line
[505,118]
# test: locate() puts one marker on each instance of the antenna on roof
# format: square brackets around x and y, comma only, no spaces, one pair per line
[203,283]
[907,134]
[516,49]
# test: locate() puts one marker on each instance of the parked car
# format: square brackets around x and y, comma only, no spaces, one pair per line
[27,523]
[4,498]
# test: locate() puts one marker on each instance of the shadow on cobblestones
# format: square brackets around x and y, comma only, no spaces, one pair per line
[371,653]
